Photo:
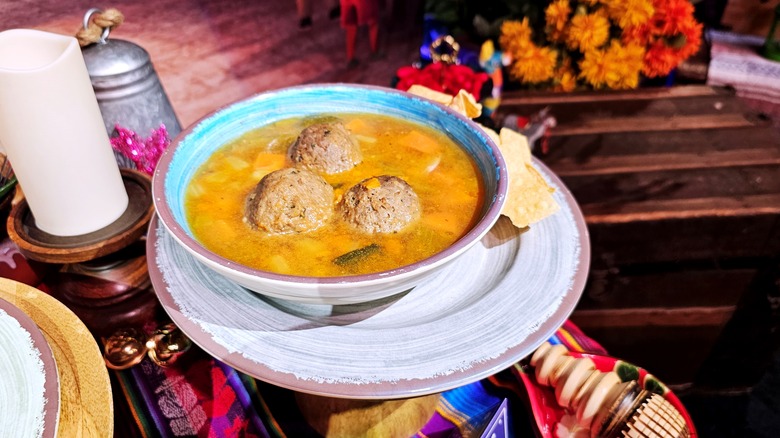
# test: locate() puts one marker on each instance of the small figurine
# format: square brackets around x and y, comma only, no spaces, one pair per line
[356,13]
[492,61]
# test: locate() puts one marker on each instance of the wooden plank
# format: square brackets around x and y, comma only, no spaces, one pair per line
[514,98]
[583,148]
[643,317]
[667,185]
[618,192]
[603,165]
[684,240]
[574,113]
[651,124]
[655,210]
[671,285]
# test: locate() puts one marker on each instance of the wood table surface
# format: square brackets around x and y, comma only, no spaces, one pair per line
[209,53]
[680,188]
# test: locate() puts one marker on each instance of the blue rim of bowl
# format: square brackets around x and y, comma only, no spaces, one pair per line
[484,225]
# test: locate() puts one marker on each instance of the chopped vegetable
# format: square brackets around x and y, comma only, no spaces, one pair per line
[365,138]
[356,255]
[236,163]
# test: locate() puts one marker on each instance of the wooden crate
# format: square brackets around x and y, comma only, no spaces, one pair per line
[680,188]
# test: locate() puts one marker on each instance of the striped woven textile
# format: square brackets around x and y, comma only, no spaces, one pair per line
[206,398]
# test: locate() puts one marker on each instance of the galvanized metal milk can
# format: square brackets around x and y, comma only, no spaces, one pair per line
[127,88]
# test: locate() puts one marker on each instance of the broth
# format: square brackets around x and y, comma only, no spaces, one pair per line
[444,177]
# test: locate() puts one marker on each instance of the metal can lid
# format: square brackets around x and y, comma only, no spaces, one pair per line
[114,58]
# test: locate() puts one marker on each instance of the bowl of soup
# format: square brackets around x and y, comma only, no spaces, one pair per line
[331,193]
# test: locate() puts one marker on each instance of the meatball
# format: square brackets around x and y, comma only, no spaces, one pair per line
[326,148]
[289,201]
[382,204]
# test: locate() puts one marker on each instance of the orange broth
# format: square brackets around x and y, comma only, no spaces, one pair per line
[444,177]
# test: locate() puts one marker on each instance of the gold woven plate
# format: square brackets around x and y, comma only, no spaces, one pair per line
[86,406]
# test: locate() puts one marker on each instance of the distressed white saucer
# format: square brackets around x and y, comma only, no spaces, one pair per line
[490,308]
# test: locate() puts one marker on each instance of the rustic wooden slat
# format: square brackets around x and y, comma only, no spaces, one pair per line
[672,285]
[512,98]
[643,317]
[581,148]
[603,165]
[651,124]
[684,240]
[574,113]
[614,193]
[655,210]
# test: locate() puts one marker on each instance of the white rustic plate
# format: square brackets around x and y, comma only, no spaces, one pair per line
[29,387]
[490,308]
[85,406]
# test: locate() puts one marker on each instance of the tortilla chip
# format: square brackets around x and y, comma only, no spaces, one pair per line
[465,103]
[529,197]
[438,97]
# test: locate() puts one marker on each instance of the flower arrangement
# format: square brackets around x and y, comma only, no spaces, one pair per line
[600,43]
[443,77]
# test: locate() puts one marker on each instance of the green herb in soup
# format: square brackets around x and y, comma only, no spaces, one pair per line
[437,185]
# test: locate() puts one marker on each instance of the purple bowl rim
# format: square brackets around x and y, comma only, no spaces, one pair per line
[470,238]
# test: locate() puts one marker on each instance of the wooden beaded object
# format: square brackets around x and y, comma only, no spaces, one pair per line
[602,403]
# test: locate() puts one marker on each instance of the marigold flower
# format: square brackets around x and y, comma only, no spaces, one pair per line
[565,80]
[557,17]
[660,59]
[602,43]
[629,12]
[627,60]
[672,15]
[535,64]
[616,67]
[515,36]
[671,36]
[587,32]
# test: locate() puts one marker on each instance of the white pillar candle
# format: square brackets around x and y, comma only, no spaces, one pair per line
[52,131]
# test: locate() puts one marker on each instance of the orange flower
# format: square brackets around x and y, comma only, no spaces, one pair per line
[672,16]
[629,12]
[615,67]
[628,61]
[535,64]
[557,17]
[659,60]
[515,36]
[587,32]
[602,43]
[565,80]
[691,31]
[671,36]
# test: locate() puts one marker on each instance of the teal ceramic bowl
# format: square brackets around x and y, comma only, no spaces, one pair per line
[196,144]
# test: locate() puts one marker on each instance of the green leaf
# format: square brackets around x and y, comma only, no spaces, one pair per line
[5,189]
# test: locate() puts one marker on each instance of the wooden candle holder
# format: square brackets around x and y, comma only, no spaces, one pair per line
[103,276]
[39,245]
